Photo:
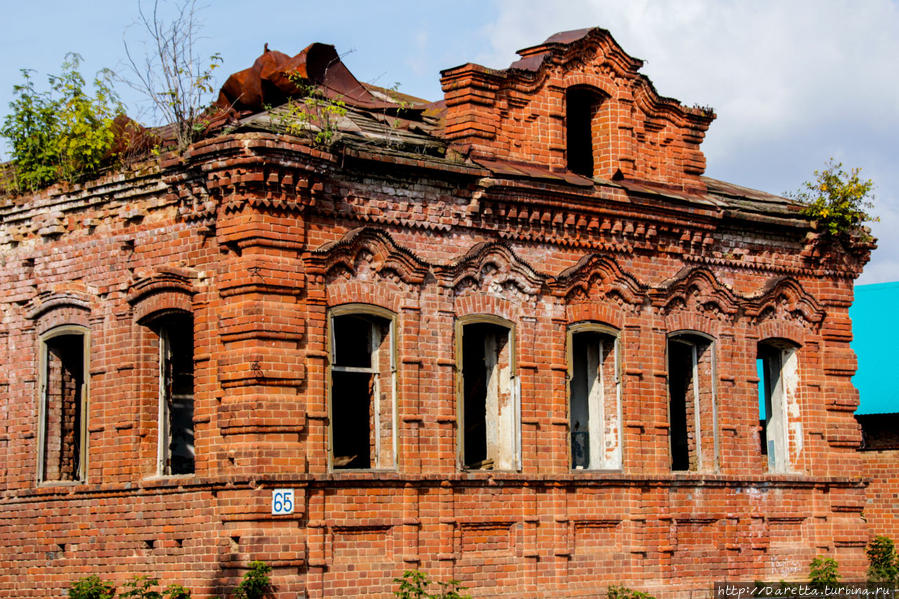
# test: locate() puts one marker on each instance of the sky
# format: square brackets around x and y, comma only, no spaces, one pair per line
[793,82]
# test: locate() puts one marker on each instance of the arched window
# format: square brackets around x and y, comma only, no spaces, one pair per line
[488,392]
[62,435]
[175,448]
[594,397]
[362,388]
[581,114]
[778,369]
[692,414]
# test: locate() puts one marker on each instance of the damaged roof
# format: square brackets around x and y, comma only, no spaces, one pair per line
[314,93]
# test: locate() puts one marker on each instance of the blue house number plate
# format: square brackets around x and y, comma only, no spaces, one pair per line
[282,501]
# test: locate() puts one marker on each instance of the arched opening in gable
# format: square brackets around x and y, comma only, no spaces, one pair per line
[582,115]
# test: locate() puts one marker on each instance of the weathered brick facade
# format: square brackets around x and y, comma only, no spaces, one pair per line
[267,242]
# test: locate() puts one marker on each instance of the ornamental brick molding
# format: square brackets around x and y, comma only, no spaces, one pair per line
[445,331]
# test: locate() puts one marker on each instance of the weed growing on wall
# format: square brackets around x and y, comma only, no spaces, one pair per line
[64,133]
[838,201]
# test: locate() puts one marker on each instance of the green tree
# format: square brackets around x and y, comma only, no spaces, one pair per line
[256,583]
[839,201]
[61,134]
[883,564]
[91,587]
[823,571]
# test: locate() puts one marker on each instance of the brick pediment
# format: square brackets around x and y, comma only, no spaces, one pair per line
[530,112]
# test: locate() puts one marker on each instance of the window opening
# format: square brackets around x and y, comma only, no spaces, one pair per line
[62,426]
[595,439]
[362,391]
[691,407]
[176,395]
[778,381]
[582,105]
[488,398]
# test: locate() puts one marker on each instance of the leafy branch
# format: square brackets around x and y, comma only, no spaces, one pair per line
[61,134]
[311,113]
[840,202]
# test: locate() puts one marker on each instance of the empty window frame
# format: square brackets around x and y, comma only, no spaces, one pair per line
[363,388]
[692,412]
[62,437]
[175,454]
[777,365]
[490,411]
[581,113]
[595,397]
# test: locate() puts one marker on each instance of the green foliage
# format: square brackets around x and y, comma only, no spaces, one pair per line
[256,583]
[176,591]
[313,113]
[140,587]
[839,201]
[883,564]
[61,134]
[823,571]
[616,592]
[91,587]
[414,585]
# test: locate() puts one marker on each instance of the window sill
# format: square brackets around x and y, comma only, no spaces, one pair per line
[164,477]
[60,483]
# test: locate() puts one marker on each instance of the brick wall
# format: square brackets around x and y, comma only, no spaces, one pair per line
[880,463]
[260,237]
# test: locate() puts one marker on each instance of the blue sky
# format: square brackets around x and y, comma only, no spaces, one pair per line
[793,83]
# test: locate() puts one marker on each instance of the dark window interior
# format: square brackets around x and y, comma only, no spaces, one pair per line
[176,333]
[680,383]
[354,380]
[64,382]
[581,106]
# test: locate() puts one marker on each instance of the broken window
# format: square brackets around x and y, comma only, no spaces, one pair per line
[691,407]
[776,363]
[363,391]
[489,398]
[176,394]
[582,106]
[595,399]
[62,447]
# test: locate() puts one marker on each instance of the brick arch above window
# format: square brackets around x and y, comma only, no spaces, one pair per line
[50,309]
[161,292]
[697,290]
[493,267]
[365,251]
[368,293]
[597,277]
[595,312]
[786,301]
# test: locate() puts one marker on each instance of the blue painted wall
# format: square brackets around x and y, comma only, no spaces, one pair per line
[875,329]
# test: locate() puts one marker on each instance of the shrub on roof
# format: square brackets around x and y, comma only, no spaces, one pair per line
[64,133]
[838,201]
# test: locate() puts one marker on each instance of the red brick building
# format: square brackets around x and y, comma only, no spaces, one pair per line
[512,338]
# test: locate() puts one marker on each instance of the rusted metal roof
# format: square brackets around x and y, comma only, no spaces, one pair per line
[275,77]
